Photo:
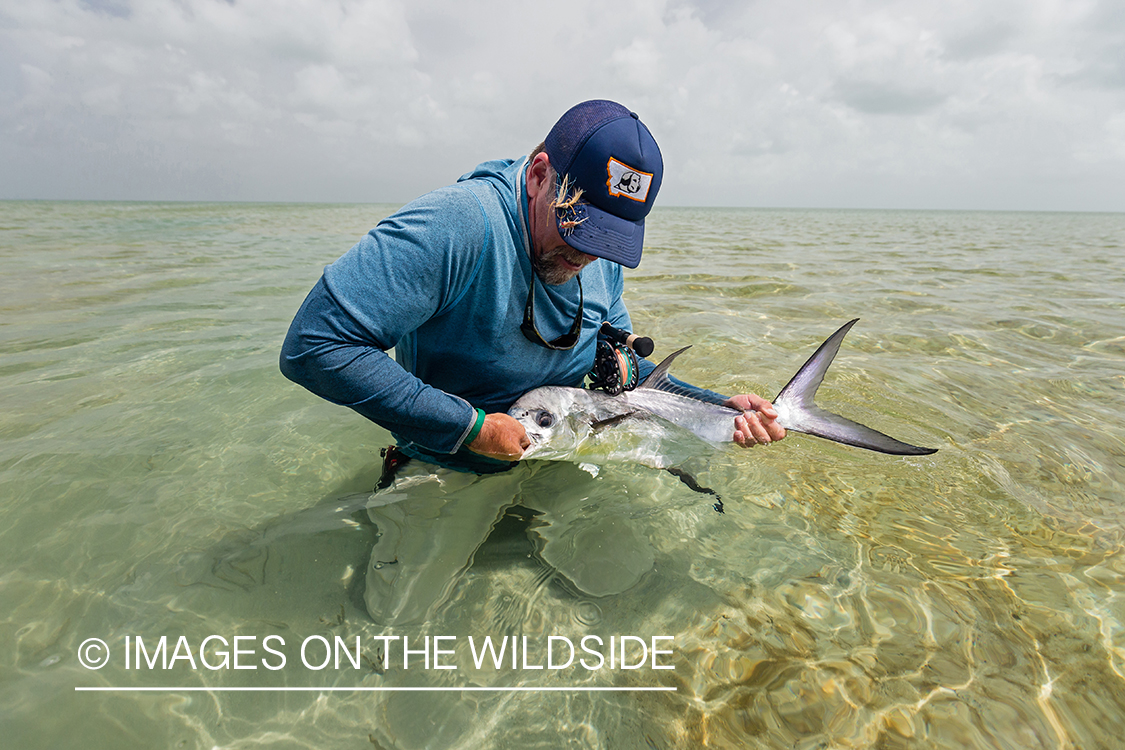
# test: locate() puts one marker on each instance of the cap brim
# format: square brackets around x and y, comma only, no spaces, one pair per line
[604,235]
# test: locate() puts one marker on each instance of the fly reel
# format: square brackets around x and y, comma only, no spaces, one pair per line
[616,368]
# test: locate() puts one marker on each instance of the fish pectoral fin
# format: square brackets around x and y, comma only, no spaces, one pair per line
[601,424]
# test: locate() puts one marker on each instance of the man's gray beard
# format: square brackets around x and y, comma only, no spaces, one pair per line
[550,273]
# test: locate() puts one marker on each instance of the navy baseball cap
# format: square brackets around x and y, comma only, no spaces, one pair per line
[605,150]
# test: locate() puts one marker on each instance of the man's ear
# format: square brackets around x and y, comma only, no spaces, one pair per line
[538,173]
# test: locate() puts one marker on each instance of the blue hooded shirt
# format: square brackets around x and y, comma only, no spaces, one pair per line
[443,282]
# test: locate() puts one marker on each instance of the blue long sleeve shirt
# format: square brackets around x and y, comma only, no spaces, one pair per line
[443,282]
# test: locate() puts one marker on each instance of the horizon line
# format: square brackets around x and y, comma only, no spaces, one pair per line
[264,202]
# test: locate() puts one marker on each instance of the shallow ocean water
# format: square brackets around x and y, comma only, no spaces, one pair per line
[161,478]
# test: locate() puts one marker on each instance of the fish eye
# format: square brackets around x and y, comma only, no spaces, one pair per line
[544,419]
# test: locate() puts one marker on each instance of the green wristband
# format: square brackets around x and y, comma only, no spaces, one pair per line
[476,428]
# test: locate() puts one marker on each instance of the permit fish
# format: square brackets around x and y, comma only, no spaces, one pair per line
[646,424]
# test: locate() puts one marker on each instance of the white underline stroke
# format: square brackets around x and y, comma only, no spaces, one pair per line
[374,689]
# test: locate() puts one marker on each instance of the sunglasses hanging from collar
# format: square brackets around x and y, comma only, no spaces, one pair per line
[531,333]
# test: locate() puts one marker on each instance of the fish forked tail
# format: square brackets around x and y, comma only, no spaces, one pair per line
[797,409]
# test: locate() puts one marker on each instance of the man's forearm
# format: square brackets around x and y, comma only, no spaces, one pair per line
[321,355]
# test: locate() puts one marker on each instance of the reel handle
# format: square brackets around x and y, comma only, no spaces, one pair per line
[642,345]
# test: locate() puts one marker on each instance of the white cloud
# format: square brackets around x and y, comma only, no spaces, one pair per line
[998,105]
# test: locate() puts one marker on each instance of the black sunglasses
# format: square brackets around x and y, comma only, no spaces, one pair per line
[531,333]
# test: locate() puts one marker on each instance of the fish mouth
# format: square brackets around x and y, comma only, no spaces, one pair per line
[558,446]
[536,445]
[538,450]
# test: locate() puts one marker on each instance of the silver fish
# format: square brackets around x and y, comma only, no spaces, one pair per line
[570,423]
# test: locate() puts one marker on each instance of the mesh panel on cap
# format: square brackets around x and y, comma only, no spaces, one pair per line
[573,127]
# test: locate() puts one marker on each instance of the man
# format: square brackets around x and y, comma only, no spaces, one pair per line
[487,289]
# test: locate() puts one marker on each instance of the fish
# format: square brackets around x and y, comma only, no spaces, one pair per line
[648,424]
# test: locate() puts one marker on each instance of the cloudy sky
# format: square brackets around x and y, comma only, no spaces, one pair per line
[988,104]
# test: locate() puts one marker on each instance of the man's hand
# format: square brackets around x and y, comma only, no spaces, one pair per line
[501,437]
[758,423]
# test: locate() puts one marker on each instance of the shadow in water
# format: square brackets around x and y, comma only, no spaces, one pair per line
[302,567]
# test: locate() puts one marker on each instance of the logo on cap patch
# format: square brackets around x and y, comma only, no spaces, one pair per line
[626,182]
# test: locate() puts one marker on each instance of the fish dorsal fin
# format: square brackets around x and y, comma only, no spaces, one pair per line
[659,379]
